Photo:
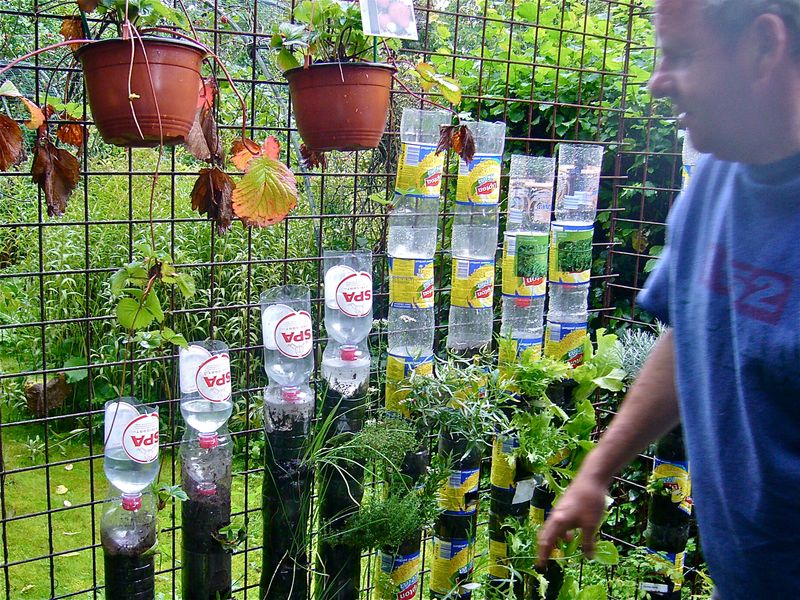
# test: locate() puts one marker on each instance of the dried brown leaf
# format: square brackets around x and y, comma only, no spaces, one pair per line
[211,196]
[243,151]
[312,158]
[445,138]
[56,172]
[466,144]
[73,134]
[37,116]
[11,150]
[88,5]
[71,29]
[203,140]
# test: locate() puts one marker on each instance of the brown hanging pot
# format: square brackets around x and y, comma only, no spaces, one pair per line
[174,70]
[341,106]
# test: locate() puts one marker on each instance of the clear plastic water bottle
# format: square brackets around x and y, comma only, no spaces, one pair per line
[690,157]
[288,335]
[348,296]
[567,318]
[345,368]
[524,284]
[131,447]
[128,535]
[471,299]
[578,182]
[478,194]
[522,317]
[411,312]
[205,380]
[530,193]
[414,219]
[570,259]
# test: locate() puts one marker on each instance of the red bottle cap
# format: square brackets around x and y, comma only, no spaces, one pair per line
[522,302]
[348,353]
[290,394]
[208,440]
[131,502]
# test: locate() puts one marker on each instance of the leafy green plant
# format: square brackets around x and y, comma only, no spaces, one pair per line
[140,13]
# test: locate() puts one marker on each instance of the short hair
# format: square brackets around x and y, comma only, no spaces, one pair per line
[732,17]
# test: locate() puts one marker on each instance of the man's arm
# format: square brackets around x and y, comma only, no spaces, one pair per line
[649,410]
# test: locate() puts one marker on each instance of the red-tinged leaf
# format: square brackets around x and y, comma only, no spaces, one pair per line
[266,193]
[11,150]
[56,172]
[37,116]
[243,151]
[445,138]
[312,158]
[88,5]
[271,148]
[464,143]
[212,194]
[208,91]
[71,29]
[203,140]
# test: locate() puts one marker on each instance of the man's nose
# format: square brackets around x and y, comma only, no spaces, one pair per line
[661,84]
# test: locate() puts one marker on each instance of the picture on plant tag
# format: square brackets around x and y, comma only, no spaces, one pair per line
[389,18]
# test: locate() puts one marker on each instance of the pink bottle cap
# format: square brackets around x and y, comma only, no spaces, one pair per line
[290,394]
[348,353]
[522,302]
[206,489]
[208,440]
[131,502]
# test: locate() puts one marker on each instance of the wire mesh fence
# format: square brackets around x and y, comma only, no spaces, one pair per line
[553,70]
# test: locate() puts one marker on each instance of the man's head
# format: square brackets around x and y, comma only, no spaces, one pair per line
[732,69]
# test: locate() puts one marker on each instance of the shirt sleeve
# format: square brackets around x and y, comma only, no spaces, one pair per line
[654,298]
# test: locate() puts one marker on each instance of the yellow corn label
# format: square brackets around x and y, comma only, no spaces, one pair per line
[453,561]
[479,180]
[564,341]
[525,265]
[398,370]
[675,476]
[453,493]
[504,466]
[403,572]
[498,560]
[570,253]
[410,283]
[473,283]
[669,565]
[419,171]
[536,515]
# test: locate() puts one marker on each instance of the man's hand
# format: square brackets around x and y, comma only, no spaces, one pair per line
[581,507]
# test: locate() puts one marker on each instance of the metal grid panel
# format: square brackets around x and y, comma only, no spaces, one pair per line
[552,69]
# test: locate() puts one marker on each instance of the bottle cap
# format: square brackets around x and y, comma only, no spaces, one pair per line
[348,353]
[522,302]
[206,488]
[131,502]
[208,440]
[290,394]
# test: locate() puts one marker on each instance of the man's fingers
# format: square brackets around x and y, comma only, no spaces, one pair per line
[554,529]
[588,542]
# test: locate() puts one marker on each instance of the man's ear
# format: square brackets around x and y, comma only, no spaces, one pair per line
[766,44]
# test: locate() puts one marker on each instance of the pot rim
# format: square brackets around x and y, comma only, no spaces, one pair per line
[343,65]
[145,39]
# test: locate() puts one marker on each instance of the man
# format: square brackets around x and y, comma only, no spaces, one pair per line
[727,284]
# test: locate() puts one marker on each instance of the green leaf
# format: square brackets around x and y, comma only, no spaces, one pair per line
[380,198]
[592,592]
[148,339]
[583,422]
[131,316]
[605,553]
[153,305]
[80,374]
[132,274]
[10,90]
[286,60]
[186,285]
[174,338]
[266,193]
[449,88]
[528,11]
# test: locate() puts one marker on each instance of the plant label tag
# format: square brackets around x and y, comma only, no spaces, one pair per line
[354,294]
[213,378]
[140,438]
[389,18]
[293,335]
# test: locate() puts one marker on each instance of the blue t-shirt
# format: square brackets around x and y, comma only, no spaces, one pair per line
[728,283]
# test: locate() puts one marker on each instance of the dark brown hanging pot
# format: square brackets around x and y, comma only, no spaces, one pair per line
[174,69]
[341,106]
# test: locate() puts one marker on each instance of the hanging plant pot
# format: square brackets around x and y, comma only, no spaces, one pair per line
[173,78]
[341,106]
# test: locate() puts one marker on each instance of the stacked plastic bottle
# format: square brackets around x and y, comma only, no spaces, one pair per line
[474,241]
[570,259]
[669,512]
[345,368]
[206,403]
[525,249]
[128,524]
[288,413]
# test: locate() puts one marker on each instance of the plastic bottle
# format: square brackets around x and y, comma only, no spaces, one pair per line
[578,182]
[524,287]
[127,534]
[471,298]
[131,446]
[567,319]
[206,479]
[413,222]
[287,334]
[475,220]
[690,157]
[205,381]
[348,296]
[570,258]
[530,194]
